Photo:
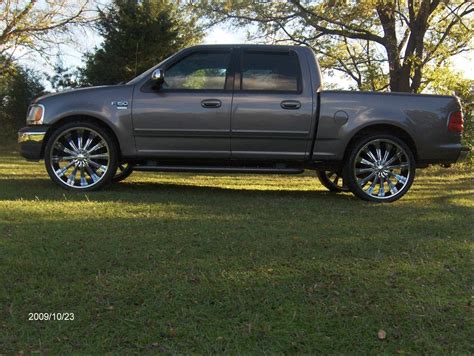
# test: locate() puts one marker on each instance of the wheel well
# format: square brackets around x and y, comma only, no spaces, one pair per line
[385,129]
[83,118]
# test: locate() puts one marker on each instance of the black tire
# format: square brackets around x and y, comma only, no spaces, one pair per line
[123,172]
[363,166]
[87,149]
[332,180]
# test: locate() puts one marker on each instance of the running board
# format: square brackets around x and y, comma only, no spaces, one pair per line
[202,169]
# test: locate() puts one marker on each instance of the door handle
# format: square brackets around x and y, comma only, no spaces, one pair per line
[211,103]
[290,104]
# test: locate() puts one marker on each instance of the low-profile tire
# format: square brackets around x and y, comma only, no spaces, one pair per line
[81,156]
[332,180]
[123,172]
[379,168]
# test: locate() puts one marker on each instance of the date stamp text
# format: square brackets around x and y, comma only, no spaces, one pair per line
[51,316]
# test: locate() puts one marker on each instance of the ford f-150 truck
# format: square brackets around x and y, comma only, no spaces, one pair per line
[242,109]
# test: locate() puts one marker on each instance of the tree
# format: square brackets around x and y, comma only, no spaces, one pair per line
[17,89]
[368,40]
[138,35]
[63,77]
[34,25]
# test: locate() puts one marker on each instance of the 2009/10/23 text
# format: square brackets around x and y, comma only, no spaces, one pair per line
[51,316]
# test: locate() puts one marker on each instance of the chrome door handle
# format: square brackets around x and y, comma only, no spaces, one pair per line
[290,104]
[211,103]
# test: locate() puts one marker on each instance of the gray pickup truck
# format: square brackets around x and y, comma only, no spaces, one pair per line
[242,109]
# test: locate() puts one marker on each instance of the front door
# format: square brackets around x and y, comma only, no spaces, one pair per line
[272,109]
[189,115]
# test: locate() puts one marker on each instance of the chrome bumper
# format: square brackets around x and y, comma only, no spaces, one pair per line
[31,136]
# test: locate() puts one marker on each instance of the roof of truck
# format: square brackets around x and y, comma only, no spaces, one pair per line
[243,45]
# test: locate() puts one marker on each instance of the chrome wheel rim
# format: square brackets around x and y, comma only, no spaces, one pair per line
[122,168]
[80,157]
[382,169]
[335,179]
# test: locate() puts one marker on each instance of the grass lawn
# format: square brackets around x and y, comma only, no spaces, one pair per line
[240,264]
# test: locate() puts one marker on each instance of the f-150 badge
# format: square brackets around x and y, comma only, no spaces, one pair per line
[121,105]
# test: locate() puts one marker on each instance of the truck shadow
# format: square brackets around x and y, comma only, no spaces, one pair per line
[37,188]
[187,187]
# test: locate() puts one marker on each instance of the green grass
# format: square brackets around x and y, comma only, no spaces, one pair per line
[239,264]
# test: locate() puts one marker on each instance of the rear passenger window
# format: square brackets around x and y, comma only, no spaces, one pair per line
[271,71]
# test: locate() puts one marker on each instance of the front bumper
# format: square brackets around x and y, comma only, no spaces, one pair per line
[30,140]
[463,154]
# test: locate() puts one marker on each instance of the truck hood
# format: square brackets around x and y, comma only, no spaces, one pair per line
[68,92]
[98,102]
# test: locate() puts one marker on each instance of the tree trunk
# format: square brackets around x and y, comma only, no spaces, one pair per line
[399,75]
[402,83]
[401,79]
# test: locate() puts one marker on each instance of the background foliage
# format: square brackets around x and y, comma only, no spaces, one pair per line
[38,26]
[138,35]
[18,86]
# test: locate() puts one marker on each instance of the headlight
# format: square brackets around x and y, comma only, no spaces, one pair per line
[35,115]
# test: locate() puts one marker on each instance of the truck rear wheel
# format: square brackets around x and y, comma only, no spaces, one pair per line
[379,168]
[332,180]
[81,156]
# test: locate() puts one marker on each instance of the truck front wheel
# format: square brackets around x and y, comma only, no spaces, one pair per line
[81,156]
[379,168]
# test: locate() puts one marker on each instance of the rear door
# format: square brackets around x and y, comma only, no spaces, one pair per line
[189,116]
[272,106]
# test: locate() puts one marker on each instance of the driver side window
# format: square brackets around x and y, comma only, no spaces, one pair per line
[198,71]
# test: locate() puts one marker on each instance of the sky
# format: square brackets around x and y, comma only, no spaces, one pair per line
[71,55]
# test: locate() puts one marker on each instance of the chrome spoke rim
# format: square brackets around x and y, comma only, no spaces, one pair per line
[63,158]
[122,169]
[80,157]
[335,179]
[382,169]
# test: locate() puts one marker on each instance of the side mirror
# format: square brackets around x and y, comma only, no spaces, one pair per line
[158,76]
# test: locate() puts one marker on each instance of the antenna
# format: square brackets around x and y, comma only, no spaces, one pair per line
[136,59]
